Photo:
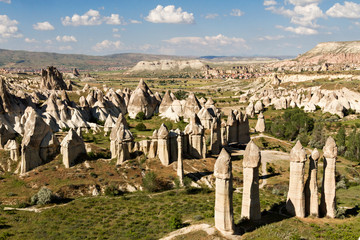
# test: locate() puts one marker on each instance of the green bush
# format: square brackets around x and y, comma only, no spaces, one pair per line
[140,127]
[176,222]
[150,182]
[112,191]
[42,197]
[140,116]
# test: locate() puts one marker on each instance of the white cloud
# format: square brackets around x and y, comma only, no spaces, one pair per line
[348,10]
[91,18]
[43,26]
[271,38]
[135,22]
[106,44]
[48,41]
[114,19]
[66,38]
[303,2]
[115,30]
[299,30]
[236,13]
[64,48]
[211,15]
[31,40]
[304,15]
[8,28]
[169,14]
[6,1]
[218,40]
[269,2]
[116,35]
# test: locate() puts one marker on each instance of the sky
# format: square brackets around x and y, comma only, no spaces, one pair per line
[177,27]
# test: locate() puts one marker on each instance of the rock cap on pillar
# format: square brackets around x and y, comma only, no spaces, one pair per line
[222,168]
[330,148]
[315,155]
[163,132]
[251,156]
[298,153]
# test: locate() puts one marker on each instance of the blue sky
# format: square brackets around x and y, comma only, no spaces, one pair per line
[196,27]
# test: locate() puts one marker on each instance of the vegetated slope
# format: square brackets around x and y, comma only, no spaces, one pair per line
[37,60]
[332,52]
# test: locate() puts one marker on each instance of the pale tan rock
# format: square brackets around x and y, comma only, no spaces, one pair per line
[52,79]
[39,144]
[328,193]
[295,204]
[166,102]
[243,129]
[258,107]
[232,128]
[205,117]
[6,133]
[191,106]
[260,125]
[215,136]
[163,148]
[180,167]
[142,100]
[311,187]
[224,218]
[72,147]
[250,200]
[153,145]
[14,149]
[196,144]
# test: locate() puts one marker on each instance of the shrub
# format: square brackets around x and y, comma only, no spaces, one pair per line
[181,94]
[140,116]
[42,197]
[150,182]
[187,182]
[112,191]
[176,222]
[140,127]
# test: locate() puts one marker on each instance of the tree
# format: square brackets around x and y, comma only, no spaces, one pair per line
[341,140]
[317,137]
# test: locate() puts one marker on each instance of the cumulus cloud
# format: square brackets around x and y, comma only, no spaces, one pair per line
[299,30]
[348,10]
[236,13]
[218,40]
[91,18]
[43,26]
[6,1]
[66,38]
[269,2]
[303,2]
[135,21]
[304,15]
[31,40]
[65,48]
[8,27]
[48,41]
[106,44]
[169,14]
[271,38]
[211,15]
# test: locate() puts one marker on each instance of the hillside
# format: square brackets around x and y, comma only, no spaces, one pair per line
[332,52]
[37,60]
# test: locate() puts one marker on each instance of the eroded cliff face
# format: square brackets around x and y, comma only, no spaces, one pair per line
[167,65]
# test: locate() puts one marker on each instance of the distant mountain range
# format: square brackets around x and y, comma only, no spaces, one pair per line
[18,59]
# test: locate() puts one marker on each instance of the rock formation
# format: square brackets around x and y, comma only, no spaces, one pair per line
[166,102]
[153,145]
[121,139]
[232,129]
[72,147]
[163,147]
[243,128]
[180,167]
[142,100]
[250,200]
[52,79]
[328,192]
[215,136]
[295,204]
[191,106]
[6,133]
[224,218]
[260,125]
[39,144]
[311,187]
[196,145]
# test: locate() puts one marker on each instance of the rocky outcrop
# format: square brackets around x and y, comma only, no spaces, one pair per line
[39,144]
[180,167]
[328,192]
[195,140]
[52,79]
[163,146]
[224,218]
[191,106]
[72,147]
[166,102]
[167,65]
[250,200]
[311,187]
[142,100]
[260,124]
[295,204]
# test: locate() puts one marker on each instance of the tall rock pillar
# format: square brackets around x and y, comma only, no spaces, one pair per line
[295,204]
[224,218]
[250,200]
[328,192]
[311,187]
